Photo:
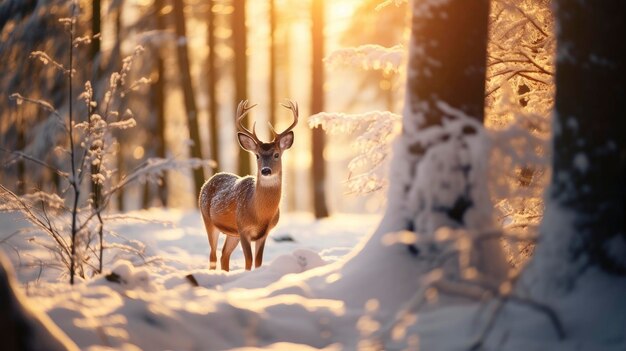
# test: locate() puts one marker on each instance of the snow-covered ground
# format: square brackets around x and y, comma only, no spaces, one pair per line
[100,312]
[175,241]
[334,287]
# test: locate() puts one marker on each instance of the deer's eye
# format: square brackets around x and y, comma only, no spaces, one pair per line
[257,156]
[276,155]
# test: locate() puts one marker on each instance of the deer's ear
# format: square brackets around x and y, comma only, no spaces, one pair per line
[286,141]
[246,142]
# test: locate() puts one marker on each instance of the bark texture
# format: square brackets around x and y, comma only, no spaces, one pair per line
[589,130]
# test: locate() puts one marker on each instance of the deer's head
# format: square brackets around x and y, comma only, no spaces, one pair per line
[268,155]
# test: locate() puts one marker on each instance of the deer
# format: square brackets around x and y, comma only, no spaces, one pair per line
[246,208]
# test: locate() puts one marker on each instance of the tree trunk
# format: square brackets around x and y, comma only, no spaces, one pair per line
[447,68]
[94,48]
[272,63]
[586,196]
[94,59]
[145,195]
[195,149]
[450,64]
[212,85]
[119,155]
[121,170]
[241,70]
[283,75]
[441,181]
[20,145]
[158,94]
[317,105]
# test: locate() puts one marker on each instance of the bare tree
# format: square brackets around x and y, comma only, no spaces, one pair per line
[317,105]
[195,149]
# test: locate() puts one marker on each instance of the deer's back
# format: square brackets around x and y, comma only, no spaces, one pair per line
[219,197]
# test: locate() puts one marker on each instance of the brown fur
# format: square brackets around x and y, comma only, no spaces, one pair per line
[241,208]
[246,208]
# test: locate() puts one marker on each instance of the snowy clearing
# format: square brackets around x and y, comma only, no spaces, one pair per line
[346,303]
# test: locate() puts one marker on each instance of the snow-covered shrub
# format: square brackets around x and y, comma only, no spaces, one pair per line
[74,217]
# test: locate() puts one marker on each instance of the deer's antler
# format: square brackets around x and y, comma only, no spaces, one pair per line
[293,106]
[242,111]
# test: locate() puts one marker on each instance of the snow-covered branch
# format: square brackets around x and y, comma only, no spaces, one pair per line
[373,144]
[368,57]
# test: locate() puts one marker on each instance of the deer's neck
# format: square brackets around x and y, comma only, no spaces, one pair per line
[267,194]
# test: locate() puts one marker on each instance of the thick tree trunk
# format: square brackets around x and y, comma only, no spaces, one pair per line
[586,197]
[447,65]
[448,59]
[195,149]
[241,71]
[317,105]
[212,85]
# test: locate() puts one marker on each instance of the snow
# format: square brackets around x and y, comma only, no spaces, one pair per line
[332,288]
[368,57]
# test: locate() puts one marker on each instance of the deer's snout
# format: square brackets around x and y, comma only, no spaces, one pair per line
[266,171]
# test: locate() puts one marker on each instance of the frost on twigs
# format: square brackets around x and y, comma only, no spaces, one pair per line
[83,142]
[368,57]
[375,131]
[519,99]
[519,168]
[152,169]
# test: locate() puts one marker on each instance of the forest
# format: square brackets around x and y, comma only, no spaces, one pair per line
[429,174]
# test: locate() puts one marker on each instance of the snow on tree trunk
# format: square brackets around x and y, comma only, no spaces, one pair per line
[584,222]
[447,59]
[438,176]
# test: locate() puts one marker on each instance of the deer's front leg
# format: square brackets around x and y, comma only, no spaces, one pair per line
[258,248]
[247,250]
[229,245]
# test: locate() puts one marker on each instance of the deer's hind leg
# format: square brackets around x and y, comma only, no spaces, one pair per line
[229,245]
[213,234]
